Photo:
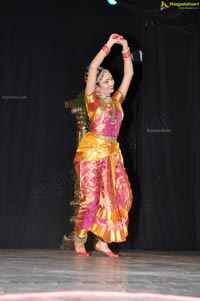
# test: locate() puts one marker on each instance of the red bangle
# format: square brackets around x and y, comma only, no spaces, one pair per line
[106,49]
[126,54]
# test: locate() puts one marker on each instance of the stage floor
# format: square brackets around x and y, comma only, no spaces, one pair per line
[60,275]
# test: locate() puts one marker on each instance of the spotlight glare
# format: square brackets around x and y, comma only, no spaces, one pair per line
[112,2]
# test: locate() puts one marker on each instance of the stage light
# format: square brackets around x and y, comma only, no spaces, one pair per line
[112,2]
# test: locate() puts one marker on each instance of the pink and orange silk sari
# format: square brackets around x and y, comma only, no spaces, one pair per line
[105,192]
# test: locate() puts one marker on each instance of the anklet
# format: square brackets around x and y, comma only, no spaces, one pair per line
[80,239]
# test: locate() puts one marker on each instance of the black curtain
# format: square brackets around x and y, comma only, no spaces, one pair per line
[36,183]
[168,140]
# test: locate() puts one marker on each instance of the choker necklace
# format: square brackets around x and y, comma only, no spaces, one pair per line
[103,102]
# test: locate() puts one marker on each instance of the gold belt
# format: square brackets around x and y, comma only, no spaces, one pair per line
[105,137]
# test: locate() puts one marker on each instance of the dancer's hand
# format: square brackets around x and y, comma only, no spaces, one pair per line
[124,44]
[114,38]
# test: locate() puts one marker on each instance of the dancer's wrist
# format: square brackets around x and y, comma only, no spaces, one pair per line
[106,49]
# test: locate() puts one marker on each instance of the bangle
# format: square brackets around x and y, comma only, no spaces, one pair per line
[124,51]
[126,54]
[105,49]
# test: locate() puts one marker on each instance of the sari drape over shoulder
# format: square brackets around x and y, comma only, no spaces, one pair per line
[105,191]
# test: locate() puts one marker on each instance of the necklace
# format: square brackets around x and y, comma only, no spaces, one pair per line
[109,101]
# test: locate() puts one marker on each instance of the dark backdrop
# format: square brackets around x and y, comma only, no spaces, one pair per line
[43,54]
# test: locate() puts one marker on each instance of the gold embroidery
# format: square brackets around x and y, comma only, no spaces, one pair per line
[90,98]
[105,137]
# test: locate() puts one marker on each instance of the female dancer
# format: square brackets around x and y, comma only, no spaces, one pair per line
[105,192]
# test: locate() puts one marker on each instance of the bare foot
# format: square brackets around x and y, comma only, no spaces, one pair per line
[80,249]
[103,246]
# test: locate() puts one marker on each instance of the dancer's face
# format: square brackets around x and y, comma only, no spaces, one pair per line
[106,85]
